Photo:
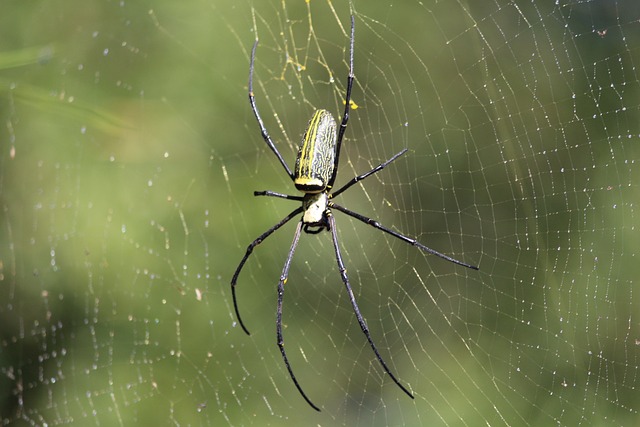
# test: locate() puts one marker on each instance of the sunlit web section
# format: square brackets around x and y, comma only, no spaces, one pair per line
[129,156]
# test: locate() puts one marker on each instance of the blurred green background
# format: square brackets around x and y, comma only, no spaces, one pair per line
[129,154]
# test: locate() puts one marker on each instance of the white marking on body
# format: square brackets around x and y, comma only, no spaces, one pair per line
[314,208]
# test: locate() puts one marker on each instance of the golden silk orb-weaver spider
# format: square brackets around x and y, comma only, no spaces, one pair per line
[314,175]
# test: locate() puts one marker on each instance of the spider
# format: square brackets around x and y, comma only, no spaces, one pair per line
[314,174]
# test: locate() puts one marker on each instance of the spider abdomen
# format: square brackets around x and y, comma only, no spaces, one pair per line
[316,156]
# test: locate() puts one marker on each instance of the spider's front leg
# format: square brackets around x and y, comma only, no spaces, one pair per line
[281,283]
[250,248]
[354,304]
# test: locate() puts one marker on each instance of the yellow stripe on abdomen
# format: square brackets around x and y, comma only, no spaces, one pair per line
[316,156]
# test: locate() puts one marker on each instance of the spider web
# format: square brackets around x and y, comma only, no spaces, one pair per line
[128,159]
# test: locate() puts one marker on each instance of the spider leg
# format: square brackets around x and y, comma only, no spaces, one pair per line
[280,195]
[347,106]
[246,256]
[254,108]
[281,283]
[402,237]
[354,304]
[364,175]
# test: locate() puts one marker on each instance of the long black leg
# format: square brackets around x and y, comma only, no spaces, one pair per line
[347,107]
[354,304]
[280,195]
[402,237]
[281,283]
[364,175]
[254,108]
[248,253]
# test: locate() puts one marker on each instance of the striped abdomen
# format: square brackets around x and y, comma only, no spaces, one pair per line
[316,157]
